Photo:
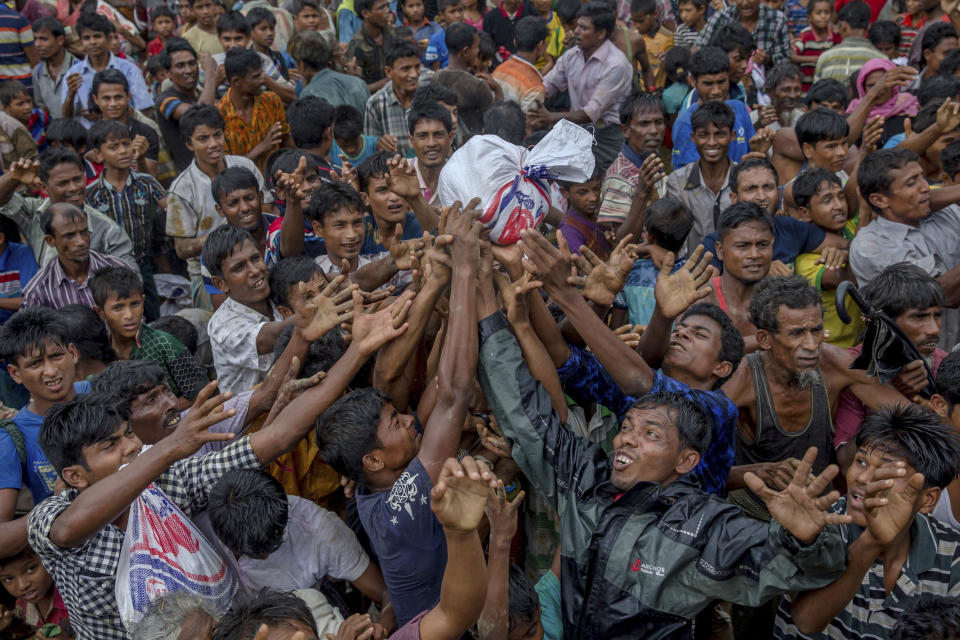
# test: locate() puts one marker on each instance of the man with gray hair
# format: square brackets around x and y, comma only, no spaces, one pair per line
[176,616]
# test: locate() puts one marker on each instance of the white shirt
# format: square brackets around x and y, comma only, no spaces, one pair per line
[233,331]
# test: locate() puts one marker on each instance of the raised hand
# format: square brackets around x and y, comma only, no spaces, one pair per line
[403,179]
[502,515]
[387,143]
[513,295]
[676,292]
[545,262]
[403,250]
[651,172]
[292,183]
[140,146]
[511,257]
[436,259]
[604,280]
[491,438]
[911,379]
[630,334]
[889,503]
[348,173]
[460,496]
[762,140]
[460,223]
[800,508]
[833,258]
[948,116]
[25,171]
[872,134]
[370,331]
[74,81]
[778,269]
[193,430]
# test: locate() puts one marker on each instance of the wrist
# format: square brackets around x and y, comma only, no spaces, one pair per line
[456,533]
[499,542]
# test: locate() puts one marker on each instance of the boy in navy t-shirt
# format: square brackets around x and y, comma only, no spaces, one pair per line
[40,357]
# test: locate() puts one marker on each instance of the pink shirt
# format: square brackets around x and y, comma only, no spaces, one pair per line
[598,86]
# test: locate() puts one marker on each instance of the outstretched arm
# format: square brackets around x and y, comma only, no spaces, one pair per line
[494,623]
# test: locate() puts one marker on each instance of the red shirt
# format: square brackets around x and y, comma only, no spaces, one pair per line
[154,46]
[875,7]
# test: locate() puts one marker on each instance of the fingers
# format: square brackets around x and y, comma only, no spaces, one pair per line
[586,254]
[757,485]
[822,481]
[805,467]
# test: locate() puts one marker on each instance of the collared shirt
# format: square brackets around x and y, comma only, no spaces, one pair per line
[338,89]
[931,568]
[770,34]
[135,207]
[15,141]
[619,185]
[521,82]
[139,95]
[684,149]
[704,205]
[840,61]
[17,268]
[15,34]
[183,373]
[241,137]
[369,53]
[51,287]
[884,242]
[579,231]
[46,90]
[86,575]
[598,86]
[233,331]
[106,236]
[431,196]
[385,116]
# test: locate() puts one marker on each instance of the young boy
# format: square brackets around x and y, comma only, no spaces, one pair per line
[692,21]
[263,33]
[551,20]
[233,31]
[111,93]
[448,12]
[38,603]
[579,226]
[885,36]
[904,458]
[657,38]
[388,210]
[67,132]
[822,136]
[119,299]
[821,201]
[366,46]
[421,27]
[17,265]
[202,36]
[911,21]
[240,203]
[49,76]
[164,24]
[814,39]
[134,200]
[39,356]
[17,103]
[349,143]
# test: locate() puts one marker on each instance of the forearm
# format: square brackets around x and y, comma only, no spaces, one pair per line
[652,346]
[66,109]
[376,86]
[8,186]
[944,196]
[433,359]
[394,356]
[635,218]
[857,119]
[426,215]
[291,230]
[372,276]
[265,393]
[950,281]
[541,365]
[580,116]
[547,331]
[268,334]
[735,479]
[919,142]
[286,92]
[494,623]
[188,247]
[462,591]
[208,95]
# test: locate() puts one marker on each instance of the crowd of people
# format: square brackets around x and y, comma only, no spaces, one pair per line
[264,380]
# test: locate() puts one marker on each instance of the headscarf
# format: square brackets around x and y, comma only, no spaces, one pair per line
[899,104]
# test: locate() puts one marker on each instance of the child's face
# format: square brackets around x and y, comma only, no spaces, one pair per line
[46,372]
[311,180]
[343,233]
[244,275]
[205,12]
[123,315]
[644,22]
[117,153]
[385,204]
[828,208]
[186,12]
[21,107]
[207,144]
[739,59]
[914,7]
[95,43]
[827,154]
[543,6]
[452,13]
[47,45]
[413,9]
[263,34]
[307,20]
[164,26]
[481,64]
[888,49]
[112,100]
[25,578]
[241,208]
[584,198]
[821,14]
[866,462]
[690,14]
[350,147]
[230,39]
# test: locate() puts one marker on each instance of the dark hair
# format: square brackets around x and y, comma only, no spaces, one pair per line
[930,446]
[443,4]
[428,111]
[505,120]
[374,166]
[310,48]
[808,183]
[51,24]
[935,34]
[53,156]
[749,165]
[121,282]
[856,15]
[715,112]
[522,599]
[530,31]
[487,46]
[104,130]
[347,431]
[640,102]
[331,197]
[155,64]
[828,90]
[162,11]
[950,63]
[260,14]
[127,379]
[363,5]
[873,176]
[299,5]
[309,118]
[692,424]
[233,179]
[884,31]
[939,86]
[819,125]
[248,512]
[433,93]
[643,7]
[676,64]
[70,426]
[347,122]
[731,342]
[709,61]
[781,72]
[93,22]
[668,222]
[903,286]
[233,21]
[29,329]
[812,3]
[285,275]
[220,245]
[65,210]
[772,293]
[67,131]
[929,617]
[950,158]
[459,35]
[927,116]
[399,48]
[174,45]
[87,332]
[197,115]
[251,609]
[567,10]
[948,378]
[287,161]
[180,328]
[322,355]
[733,37]
[10,89]
[699,4]
[239,62]
[601,16]
[741,213]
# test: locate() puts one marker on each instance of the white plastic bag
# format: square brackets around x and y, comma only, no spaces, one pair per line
[511,181]
[163,551]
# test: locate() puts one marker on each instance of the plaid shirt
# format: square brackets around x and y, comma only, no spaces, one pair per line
[52,288]
[770,34]
[134,208]
[184,375]
[86,574]
[385,116]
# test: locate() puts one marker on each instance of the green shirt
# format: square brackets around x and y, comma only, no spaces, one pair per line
[184,375]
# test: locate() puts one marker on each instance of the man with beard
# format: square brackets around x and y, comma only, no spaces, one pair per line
[643,122]
[786,391]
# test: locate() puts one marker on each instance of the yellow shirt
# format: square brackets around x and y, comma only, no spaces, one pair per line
[841,335]
[201,41]
[554,40]
[657,47]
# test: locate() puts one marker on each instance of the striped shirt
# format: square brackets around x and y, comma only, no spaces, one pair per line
[134,208]
[17,267]
[15,34]
[908,31]
[619,184]
[520,82]
[845,58]
[241,137]
[932,567]
[809,45]
[684,36]
[53,288]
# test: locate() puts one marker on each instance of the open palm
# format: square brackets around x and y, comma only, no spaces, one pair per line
[889,505]
[675,292]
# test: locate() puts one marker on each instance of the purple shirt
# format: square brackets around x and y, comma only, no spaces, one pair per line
[598,86]
[52,288]
[579,231]
[409,631]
